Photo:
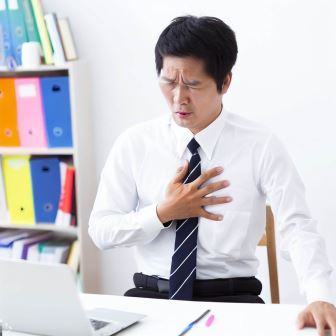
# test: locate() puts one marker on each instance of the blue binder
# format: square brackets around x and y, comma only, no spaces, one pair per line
[17,27]
[46,181]
[57,112]
[5,40]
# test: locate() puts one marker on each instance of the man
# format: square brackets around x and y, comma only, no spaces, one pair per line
[196,229]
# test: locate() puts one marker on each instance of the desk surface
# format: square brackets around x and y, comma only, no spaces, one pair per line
[170,317]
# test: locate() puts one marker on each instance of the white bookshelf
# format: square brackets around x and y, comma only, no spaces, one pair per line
[83,160]
[35,151]
[65,231]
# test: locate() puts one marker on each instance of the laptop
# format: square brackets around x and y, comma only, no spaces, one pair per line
[42,299]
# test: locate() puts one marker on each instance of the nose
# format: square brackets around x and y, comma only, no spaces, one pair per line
[180,94]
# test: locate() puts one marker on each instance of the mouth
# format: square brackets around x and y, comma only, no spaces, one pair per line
[182,114]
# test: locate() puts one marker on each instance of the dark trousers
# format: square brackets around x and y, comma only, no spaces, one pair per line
[243,290]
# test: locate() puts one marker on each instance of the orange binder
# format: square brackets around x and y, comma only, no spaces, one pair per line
[9,133]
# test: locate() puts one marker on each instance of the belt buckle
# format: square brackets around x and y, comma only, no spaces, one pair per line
[163,286]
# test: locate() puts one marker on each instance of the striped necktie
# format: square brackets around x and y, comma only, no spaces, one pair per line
[183,267]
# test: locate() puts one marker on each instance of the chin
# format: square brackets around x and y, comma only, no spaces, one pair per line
[182,123]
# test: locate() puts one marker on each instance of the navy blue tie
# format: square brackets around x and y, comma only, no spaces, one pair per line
[183,267]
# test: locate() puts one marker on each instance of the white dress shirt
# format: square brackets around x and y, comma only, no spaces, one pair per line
[145,158]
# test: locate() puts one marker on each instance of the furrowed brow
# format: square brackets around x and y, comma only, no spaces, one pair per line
[192,82]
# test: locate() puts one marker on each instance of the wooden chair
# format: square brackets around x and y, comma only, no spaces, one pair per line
[268,240]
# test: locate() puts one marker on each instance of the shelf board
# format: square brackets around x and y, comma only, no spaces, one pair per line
[45,227]
[41,71]
[35,151]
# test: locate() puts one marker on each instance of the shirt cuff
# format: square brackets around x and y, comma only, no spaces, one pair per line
[149,220]
[320,289]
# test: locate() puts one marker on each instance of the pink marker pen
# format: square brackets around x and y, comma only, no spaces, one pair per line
[210,320]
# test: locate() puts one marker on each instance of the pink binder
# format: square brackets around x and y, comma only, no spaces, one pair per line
[30,112]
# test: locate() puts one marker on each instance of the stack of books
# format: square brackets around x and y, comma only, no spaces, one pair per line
[38,247]
[24,21]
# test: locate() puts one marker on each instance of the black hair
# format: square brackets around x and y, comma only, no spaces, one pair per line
[205,38]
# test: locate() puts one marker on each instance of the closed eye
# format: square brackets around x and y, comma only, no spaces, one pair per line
[172,82]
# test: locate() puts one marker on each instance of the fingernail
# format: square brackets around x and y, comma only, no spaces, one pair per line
[229,199]
[219,169]
[220,217]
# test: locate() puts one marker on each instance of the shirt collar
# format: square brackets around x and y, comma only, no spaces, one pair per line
[207,138]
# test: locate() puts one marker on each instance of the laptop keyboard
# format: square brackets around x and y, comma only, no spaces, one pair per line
[96,324]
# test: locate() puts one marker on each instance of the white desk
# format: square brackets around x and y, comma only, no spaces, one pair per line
[168,318]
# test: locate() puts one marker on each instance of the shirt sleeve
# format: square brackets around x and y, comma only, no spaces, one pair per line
[299,239]
[115,219]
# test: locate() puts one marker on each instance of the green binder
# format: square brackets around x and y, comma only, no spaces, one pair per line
[30,21]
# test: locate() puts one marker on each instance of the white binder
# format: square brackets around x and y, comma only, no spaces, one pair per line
[4,214]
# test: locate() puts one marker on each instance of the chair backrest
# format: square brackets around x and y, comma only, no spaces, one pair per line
[268,240]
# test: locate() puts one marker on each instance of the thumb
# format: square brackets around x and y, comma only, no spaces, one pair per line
[181,172]
[300,321]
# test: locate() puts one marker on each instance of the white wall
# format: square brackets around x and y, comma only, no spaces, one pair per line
[285,77]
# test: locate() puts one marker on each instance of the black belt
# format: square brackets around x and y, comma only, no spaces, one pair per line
[213,287]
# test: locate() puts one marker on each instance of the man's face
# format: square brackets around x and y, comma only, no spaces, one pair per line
[190,92]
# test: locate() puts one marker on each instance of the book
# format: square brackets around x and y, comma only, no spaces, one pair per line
[43,32]
[54,251]
[21,246]
[6,233]
[73,258]
[6,242]
[30,22]
[33,253]
[67,39]
[55,38]
[64,213]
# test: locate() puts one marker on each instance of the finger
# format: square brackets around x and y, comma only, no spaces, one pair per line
[305,319]
[215,200]
[206,190]
[332,325]
[301,320]
[208,175]
[211,216]
[320,324]
[181,172]
[333,330]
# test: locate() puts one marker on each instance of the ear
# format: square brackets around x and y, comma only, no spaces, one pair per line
[227,82]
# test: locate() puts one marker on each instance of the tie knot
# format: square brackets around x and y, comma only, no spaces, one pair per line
[193,146]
